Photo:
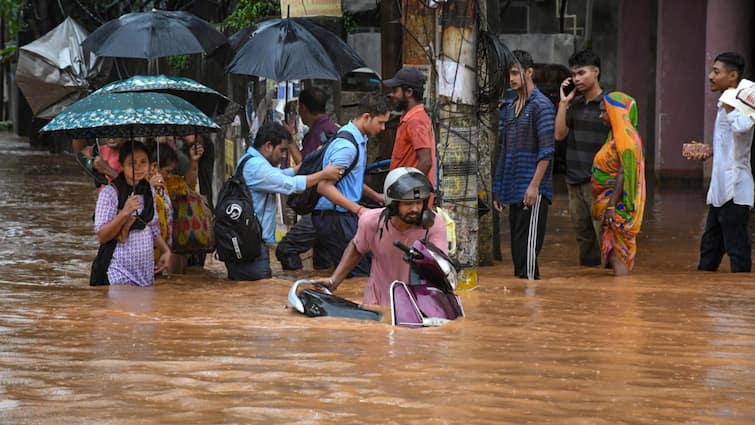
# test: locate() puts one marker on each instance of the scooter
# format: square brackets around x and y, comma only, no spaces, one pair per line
[428,299]
[316,303]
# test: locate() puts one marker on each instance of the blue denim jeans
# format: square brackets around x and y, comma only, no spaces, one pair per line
[256,270]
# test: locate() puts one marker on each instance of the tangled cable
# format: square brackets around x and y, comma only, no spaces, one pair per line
[493,62]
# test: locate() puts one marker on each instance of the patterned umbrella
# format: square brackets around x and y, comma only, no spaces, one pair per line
[129,115]
[207,100]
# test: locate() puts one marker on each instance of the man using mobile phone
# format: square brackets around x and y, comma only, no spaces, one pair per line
[578,124]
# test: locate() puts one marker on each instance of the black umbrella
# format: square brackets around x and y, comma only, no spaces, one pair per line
[292,49]
[154,34]
[240,37]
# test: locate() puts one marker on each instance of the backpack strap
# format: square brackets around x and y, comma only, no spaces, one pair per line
[240,169]
[345,134]
[239,175]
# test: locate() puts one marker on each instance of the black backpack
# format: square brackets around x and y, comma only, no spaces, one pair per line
[305,202]
[238,233]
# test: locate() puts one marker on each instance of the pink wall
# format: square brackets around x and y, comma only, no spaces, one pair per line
[680,76]
[729,28]
[634,61]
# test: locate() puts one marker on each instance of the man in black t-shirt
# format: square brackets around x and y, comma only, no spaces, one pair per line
[578,123]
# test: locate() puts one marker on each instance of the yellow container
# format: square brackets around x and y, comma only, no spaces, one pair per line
[280,231]
[450,229]
[467,279]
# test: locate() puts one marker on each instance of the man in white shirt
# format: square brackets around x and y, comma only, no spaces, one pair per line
[731,191]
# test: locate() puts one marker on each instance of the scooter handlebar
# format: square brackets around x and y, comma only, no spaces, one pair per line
[409,253]
[402,247]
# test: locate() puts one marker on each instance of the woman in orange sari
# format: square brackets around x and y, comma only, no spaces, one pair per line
[618,183]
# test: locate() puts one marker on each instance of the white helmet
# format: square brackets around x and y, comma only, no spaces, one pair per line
[405,184]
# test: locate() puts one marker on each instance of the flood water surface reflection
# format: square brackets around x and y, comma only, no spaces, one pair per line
[667,345]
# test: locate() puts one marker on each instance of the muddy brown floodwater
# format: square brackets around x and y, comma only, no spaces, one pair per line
[667,345]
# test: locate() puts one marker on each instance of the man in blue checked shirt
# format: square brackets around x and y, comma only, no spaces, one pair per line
[265,179]
[524,172]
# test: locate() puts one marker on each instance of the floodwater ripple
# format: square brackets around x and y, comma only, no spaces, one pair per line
[667,345]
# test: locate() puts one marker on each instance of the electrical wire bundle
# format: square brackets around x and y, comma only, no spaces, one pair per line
[493,60]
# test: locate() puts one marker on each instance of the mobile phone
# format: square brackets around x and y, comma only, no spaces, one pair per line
[569,88]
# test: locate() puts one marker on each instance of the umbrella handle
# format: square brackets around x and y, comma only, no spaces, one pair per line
[133,162]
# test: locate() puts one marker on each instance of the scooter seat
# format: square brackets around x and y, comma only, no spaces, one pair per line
[318,304]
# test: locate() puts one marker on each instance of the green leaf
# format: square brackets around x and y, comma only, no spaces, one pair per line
[248,12]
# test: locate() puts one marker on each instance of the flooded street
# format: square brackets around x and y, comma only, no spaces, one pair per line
[667,345]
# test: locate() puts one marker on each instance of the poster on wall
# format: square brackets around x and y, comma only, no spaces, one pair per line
[306,8]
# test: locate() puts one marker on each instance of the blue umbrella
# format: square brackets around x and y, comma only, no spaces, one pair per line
[129,115]
[204,98]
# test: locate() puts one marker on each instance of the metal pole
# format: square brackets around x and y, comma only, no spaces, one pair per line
[488,136]
[133,162]
[588,23]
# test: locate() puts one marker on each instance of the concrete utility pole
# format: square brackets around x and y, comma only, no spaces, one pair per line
[442,40]
[459,136]
[488,127]
[493,22]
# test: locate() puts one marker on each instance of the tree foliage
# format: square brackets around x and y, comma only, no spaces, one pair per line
[248,12]
[93,13]
[10,10]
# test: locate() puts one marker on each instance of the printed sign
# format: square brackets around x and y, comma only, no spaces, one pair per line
[305,8]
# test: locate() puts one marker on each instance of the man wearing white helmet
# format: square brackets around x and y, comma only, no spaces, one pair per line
[405,218]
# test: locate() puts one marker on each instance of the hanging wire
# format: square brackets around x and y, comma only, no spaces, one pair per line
[495,59]
[88,12]
[62,11]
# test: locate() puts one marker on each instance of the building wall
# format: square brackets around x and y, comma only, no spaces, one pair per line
[543,20]
[636,65]
[680,73]
[729,28]
[664,66]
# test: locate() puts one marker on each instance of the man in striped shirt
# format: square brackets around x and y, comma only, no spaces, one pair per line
[578,123]
[524,173]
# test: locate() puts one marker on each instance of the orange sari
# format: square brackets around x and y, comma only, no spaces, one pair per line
[622,148]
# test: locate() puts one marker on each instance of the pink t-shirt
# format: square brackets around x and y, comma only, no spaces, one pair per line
[111,156]
[387,262]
